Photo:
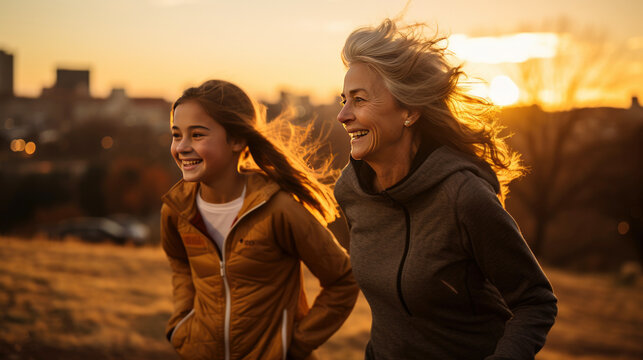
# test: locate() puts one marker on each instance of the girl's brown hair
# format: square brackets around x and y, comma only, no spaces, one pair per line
[278,157]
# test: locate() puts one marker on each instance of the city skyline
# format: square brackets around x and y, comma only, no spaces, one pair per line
[156,48]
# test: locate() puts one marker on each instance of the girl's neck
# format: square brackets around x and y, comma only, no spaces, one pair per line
[224,189]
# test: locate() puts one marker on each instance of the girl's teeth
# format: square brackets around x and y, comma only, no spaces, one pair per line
[193,162]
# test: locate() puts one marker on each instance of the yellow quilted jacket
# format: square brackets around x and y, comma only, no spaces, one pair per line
[247,301]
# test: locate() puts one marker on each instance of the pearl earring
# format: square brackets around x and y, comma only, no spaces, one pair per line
[407,123]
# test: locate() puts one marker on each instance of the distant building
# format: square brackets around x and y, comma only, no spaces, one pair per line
[298,107]
[69,83]
[128,111]
[68,103]
[6,74]
[76,81]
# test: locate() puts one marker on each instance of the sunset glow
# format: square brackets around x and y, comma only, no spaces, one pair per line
[514,48]
[157,48]
[503,91]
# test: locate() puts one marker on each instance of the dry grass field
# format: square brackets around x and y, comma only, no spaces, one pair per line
[71,300]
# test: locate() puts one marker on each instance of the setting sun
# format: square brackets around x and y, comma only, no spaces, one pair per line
[503,91]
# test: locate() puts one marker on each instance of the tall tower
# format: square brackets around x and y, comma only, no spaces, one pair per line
[6,74]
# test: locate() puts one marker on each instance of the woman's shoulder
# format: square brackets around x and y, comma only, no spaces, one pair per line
[471,185]
[476,197]
[454,184]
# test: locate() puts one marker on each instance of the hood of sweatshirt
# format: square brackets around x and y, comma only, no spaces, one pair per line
[437,166]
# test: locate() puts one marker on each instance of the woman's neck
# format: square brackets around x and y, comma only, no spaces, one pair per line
[389,174]
[395,167]
[224,189]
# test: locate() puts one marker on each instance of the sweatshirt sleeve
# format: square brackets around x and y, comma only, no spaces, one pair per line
[329,262]
[507,262]
[182,286]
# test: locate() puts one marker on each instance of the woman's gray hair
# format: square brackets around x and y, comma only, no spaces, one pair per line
[416,71]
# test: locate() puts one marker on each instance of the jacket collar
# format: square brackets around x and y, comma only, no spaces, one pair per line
[182,196]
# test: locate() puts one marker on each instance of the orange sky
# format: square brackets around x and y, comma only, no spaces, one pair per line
[158,47]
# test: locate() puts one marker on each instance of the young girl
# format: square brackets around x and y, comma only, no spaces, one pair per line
[234,238]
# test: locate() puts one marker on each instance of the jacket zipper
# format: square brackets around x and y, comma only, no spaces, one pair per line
[407,241]
[228,300]
[284,334]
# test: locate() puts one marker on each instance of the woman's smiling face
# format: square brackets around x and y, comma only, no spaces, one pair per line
[371,115]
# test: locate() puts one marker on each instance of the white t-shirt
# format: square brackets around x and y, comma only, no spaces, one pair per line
[218,218]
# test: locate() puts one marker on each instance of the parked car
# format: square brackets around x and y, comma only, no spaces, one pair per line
[136,231]
[120,230]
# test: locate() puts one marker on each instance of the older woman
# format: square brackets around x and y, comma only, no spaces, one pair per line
[444,267]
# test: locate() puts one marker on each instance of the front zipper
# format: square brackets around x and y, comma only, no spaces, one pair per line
[228,300]
[284,334]
[407,219]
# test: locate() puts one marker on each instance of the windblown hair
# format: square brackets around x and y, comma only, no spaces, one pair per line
[416,72]
[281,157]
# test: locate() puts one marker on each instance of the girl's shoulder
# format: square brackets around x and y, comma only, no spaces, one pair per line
[181,198]
[284,208]
[262,189]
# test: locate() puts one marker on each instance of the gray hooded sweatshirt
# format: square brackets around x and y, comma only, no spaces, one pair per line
[443,266]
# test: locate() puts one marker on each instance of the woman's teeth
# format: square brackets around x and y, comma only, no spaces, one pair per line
[358,134]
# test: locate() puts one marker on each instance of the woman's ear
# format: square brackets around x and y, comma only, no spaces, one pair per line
[238,144]
[411,117]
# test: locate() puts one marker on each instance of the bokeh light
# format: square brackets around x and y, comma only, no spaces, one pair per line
[107,142]
[17,145]
[30,148]
[623,227]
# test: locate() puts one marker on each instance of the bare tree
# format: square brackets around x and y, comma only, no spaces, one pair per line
[565,153]
[586,65]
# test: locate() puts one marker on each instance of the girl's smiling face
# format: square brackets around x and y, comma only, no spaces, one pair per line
[200,145]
